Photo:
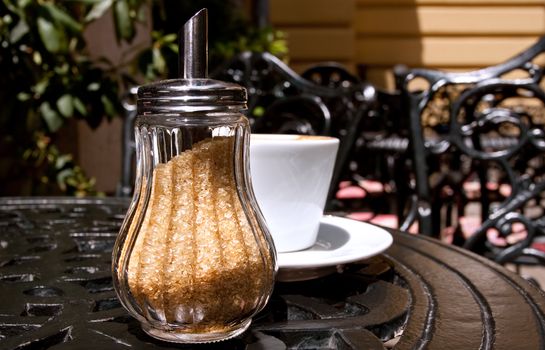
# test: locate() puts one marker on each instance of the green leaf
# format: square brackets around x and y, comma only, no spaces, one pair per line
[158,60]
[79,106]
[62,69]
[23,3]
[169,38]
[173,48]
[53,120]
[50,36]
[63,177]
[23,96]
[37,58]
[40,86]
[108,105]
[123,24]
[258,111]
[72,182]
[94,86]
[18,31]
[85,1]
[98,10]
[63,18]
[62,160]
[65,105]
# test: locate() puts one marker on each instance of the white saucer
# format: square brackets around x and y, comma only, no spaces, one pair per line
[340,241]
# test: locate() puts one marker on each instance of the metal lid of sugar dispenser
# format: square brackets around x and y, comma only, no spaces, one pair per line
[193,91]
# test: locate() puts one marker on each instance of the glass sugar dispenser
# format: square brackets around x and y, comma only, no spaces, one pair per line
[194,261]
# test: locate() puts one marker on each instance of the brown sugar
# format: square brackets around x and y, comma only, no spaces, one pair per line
[197,263]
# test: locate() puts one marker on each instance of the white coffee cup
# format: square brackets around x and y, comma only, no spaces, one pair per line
[291,175]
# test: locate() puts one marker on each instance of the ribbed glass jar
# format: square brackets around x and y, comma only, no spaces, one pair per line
[193,261]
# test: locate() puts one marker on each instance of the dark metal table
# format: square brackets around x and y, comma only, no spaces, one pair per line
[56,293]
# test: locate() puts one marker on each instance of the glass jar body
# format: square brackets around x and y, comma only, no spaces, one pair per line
[193,261]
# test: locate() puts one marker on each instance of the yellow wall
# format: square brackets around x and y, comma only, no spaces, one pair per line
[443,34]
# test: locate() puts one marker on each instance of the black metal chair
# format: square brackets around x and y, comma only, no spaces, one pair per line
[324,100]
[478,141]
[328,100]
[281,101]
[128,146]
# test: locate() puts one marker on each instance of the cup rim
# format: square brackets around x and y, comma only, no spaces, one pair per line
[292,138]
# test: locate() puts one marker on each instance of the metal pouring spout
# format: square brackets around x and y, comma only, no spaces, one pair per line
[193,47]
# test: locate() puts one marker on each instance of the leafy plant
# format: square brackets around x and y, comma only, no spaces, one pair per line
[49,79]
[257,40]
[230,32]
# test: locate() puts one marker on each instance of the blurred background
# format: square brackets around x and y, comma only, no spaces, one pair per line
[66,65]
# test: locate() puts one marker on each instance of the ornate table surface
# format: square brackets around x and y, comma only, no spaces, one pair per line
[56,293]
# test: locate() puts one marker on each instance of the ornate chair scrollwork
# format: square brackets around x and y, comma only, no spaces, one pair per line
[478,142]
[128,146]
[304,114]
[327,100]
[324,100]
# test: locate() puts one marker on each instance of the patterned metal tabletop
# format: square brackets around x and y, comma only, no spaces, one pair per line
[56,293]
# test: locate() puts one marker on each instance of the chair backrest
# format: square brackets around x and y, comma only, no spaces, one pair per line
[326,100]
[128,147]
[478,142]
